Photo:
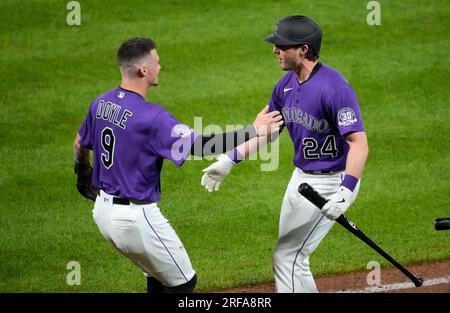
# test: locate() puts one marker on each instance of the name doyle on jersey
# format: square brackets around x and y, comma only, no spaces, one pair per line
[296,115]
[109,111]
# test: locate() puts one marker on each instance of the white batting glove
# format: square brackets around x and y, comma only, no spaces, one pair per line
[338,203]
[216,173]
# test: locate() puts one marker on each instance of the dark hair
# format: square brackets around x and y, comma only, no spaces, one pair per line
[134,48]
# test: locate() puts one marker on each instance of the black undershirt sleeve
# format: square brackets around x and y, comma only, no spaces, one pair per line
[220,143]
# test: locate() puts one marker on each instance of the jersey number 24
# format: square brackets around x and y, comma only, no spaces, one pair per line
[311,151]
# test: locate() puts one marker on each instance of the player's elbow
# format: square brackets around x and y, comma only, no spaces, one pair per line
[358,142]
[76,143]
[363,145]
[366,152]
[364,149]
[366,145]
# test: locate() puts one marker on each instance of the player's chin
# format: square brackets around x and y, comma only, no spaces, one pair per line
[153,82]
[285,67]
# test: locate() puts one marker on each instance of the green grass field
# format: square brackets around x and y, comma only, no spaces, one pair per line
[216,66]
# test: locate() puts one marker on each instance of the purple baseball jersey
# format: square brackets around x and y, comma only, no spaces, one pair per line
[130,138]
[318,113]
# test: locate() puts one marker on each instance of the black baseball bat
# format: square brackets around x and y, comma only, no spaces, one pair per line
[319,201]
[442,223]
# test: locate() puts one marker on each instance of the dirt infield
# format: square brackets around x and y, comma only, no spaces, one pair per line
[436,278]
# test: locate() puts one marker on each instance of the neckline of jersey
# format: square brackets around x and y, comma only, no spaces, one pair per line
[314,71]
[131,92]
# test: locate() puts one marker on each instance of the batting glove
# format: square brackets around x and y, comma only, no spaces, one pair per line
[338,203]
[216,173]
[84,179]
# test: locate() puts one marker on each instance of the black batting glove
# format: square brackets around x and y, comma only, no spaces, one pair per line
[84,181]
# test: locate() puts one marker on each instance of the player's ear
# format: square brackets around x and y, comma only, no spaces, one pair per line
[142,71]
[303,50]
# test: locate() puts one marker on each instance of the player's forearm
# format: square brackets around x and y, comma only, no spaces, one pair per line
[357,155]
[252,146]
[248,148]
[220,143]
[80,154]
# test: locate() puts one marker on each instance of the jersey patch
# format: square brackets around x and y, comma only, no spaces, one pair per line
[346,117]
[182,130]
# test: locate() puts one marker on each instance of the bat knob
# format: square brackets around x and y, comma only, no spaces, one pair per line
[442,223]
[302,188]
[418,282]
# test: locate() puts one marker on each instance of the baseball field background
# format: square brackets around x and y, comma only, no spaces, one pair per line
[216,66]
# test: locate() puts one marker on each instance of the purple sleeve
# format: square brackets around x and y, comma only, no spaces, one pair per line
[345,112]
[275,100]
[86,131]
[171,139]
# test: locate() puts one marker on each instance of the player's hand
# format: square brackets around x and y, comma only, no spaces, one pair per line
[216,173]
[267,122]
[338,203]
[84,182]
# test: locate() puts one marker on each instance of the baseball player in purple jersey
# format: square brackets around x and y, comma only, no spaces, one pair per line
[322,115]
[130,138]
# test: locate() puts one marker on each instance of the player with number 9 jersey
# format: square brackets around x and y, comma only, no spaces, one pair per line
[130,138]
[137,133]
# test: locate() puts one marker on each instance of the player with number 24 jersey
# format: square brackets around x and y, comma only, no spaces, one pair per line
[318,114]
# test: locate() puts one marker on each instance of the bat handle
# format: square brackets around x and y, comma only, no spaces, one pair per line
[312,195]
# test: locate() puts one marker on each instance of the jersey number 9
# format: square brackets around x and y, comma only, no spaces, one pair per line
[108,142]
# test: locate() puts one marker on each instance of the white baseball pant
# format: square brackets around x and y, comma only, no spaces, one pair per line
[144,235]
[302,227]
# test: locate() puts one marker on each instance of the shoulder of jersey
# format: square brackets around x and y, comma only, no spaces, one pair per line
[333,77]
[155,107]
[106,95]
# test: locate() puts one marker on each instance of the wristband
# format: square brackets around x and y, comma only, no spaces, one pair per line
[350,182]
[235,156]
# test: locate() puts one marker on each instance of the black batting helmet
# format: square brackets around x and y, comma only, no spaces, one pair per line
[297,30]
